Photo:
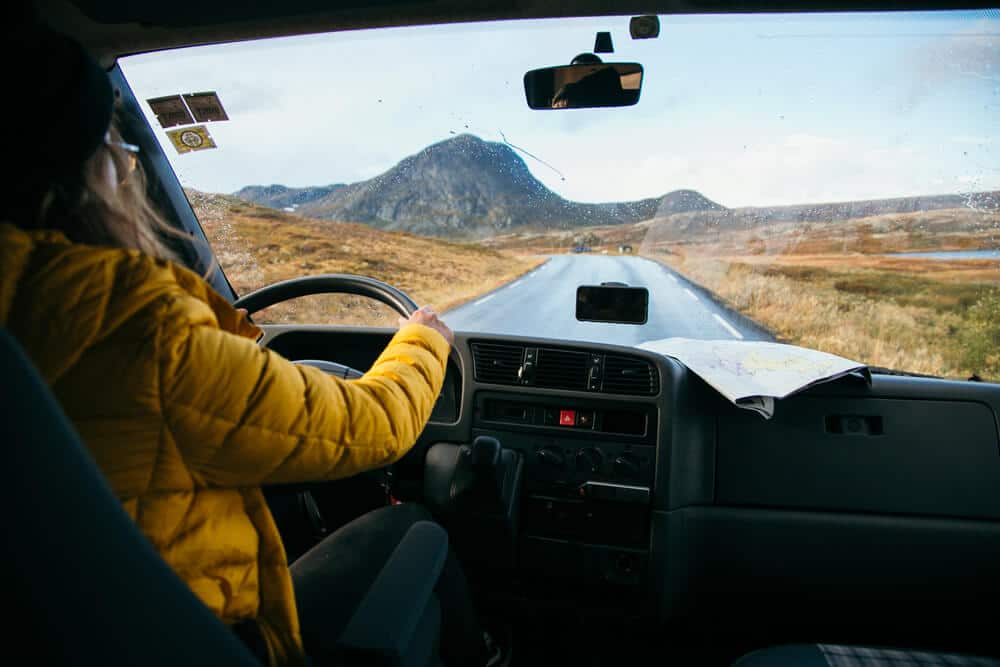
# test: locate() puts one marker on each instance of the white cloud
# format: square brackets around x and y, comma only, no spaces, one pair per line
[744,122]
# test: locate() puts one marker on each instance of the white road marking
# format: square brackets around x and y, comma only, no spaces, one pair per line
[671,276]
[691,294]
[484,299]
[513,284]
[727,326]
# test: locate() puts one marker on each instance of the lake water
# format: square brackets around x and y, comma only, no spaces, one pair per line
[951,254]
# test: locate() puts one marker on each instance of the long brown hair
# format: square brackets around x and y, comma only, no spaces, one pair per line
[90,210]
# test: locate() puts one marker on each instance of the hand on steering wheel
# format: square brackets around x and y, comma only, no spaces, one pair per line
[343,284]
[426,316]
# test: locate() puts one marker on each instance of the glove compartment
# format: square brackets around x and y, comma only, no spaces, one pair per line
[866,454]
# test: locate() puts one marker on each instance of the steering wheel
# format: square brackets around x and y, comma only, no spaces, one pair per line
[328,283]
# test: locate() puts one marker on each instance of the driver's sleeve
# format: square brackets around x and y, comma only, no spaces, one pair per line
[242,415]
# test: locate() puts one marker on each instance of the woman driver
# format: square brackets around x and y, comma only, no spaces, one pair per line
[185,414]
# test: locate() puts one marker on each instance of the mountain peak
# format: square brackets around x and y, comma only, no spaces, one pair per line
[463,141]
[463,138]
[685,201]
[463,167]
[468,148]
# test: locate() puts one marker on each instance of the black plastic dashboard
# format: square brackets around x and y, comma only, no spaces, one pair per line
[855,508]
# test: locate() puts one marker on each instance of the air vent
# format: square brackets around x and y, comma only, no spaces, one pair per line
[497,364]
[561,369]
[629,375]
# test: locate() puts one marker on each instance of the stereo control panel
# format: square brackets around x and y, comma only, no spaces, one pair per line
[601,450]
[630,422]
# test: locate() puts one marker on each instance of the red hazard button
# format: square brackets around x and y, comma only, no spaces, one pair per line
[567,417]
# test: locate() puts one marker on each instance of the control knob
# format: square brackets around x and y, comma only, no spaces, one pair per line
[550,456]
[589,460]
[627,465]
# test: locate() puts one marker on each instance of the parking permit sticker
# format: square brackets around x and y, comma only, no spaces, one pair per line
[189,139]
[205,107]
[170,111]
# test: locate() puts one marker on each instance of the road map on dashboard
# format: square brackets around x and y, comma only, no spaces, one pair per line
[752,374]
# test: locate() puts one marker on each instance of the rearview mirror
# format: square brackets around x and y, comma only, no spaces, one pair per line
[612,303]
[583,86]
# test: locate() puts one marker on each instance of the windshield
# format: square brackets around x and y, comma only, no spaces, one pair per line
[824,180]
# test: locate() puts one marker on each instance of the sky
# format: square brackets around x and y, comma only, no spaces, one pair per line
[748,110]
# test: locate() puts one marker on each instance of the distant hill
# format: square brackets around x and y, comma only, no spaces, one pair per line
[689,224]
[283,197]
[463,186]
[862,209]
[469,188]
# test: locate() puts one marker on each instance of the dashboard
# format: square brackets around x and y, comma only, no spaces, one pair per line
[856,506]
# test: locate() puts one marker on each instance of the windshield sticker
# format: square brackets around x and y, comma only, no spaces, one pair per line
[205,107]
[170,111]
[190,139]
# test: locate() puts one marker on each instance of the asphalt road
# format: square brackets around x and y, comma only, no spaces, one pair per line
[543,304]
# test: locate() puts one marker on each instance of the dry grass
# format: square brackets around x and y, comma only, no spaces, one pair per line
[258,246]
[948,229]
[563,241]
[862,308]
[829,285]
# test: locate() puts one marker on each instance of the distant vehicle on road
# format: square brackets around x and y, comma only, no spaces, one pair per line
[625,248]
[581,248]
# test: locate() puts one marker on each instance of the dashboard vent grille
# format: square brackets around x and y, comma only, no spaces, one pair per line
[497,364]
[561,369]
[630,375]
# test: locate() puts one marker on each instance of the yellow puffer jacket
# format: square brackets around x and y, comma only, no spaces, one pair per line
[187,417]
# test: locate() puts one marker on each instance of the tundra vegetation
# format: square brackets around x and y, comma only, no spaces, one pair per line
[258,246]
[837,286]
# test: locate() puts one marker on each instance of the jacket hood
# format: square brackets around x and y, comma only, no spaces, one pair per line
[59,298]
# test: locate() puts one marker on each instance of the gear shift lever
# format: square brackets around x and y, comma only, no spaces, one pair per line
[485,453]
[477,480]
[475,489]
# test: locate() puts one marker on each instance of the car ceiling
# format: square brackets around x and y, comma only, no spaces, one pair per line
[118,27]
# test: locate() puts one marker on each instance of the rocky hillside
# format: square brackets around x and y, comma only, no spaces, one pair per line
[464,186]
